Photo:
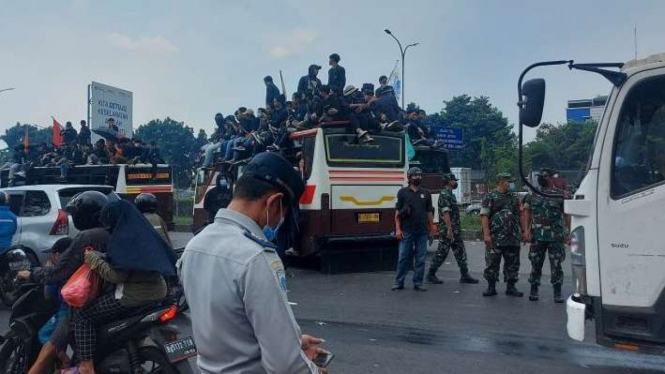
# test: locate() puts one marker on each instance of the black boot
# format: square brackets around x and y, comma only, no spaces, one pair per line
[512,291]
[491,289]
[466,278]
[433,279]
[557,294]
[534,293]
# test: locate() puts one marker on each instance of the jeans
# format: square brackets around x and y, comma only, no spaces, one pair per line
[209,152]
[229,147]
[405,253]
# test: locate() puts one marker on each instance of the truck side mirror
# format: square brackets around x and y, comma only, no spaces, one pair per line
[532,102]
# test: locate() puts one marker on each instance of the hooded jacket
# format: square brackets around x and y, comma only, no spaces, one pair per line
[309,84]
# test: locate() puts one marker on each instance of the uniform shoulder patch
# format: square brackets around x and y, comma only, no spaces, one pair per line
[267,246]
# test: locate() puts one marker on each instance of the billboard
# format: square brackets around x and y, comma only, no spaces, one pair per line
[110,102]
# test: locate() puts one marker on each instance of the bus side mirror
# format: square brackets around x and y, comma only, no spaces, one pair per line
[532,102]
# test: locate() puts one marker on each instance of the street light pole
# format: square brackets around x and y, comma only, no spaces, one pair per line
[402,52]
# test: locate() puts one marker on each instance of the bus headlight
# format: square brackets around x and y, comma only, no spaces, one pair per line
[578,260]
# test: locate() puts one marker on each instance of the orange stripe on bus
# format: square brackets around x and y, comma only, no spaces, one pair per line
[387,172]
[367,179]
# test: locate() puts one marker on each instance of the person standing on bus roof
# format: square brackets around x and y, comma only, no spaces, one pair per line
[271,90]
[544,227]
[84,134]
[450,230]
[336,75]
[500,217]
[414,219]
[242,323]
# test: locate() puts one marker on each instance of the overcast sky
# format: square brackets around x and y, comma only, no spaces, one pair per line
[191,59]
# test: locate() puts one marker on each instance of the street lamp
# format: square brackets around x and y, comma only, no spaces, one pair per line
[7,89]
[402,51]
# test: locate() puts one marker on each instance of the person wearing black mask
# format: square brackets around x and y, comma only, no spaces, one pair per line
[308,86]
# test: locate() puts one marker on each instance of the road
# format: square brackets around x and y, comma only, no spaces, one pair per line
[450,329]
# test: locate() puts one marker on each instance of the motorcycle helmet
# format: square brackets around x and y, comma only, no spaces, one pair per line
[146,203]
[4,198]
[85,208]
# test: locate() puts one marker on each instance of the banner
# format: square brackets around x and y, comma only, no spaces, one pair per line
[396,81]
[110,102]
[57,138]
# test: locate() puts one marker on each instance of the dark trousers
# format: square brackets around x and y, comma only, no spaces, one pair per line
[445,245]
[511,263]
[556,252]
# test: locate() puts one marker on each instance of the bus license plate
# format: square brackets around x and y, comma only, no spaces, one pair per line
[180,349]
[368,217]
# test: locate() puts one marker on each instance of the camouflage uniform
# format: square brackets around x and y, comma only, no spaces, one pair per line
[504,220]
[448,203]
[549,231]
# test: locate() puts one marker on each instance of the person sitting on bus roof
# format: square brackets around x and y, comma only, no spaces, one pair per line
[69,134]
[152,155]
[112,126]
[384,87]
[418,133]
[84,134]
[277,125]
[332,105]
[100,151]
[351,104]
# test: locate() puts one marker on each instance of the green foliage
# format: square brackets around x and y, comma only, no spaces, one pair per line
[470,222]
[202,138]
[14,135]
[177,144]
[563,147]
[489,141]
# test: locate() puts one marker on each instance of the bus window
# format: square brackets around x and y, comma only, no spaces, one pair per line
[432,161]
[308,156]
[639,149]
[384,151]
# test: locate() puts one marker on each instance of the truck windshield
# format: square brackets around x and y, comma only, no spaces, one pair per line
[384,151]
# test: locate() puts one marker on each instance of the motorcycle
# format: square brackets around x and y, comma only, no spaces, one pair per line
[12,261]
[142,342]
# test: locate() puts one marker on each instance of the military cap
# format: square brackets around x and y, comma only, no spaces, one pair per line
[449,177]
[505,177]
[414,171]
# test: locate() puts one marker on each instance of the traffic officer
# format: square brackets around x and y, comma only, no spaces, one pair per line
[500,217]
[450,230]
[235,282]
[545,228]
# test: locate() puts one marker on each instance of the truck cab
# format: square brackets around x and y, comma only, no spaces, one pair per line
[617,241]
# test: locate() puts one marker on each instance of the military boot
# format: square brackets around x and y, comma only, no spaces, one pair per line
[491,289]
[433,279]
[534,293]
[512,291]
[466,278]
[557,294]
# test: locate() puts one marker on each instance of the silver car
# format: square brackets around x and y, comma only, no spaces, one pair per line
[41,216]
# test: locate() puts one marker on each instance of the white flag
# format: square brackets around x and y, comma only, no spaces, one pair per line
[396,81]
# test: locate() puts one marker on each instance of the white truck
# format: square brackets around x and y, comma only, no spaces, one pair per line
[618,212]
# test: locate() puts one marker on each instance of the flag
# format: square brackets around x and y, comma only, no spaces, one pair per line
[396,81]
[26,138]
[57,138]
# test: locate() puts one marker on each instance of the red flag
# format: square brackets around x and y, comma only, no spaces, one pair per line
[57,138]
[26,138]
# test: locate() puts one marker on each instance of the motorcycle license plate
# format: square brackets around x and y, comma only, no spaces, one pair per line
[180,349]
[20,265]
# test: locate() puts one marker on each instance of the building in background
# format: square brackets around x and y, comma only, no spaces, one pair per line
[586,110]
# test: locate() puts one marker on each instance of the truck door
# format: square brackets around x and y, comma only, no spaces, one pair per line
[631,213]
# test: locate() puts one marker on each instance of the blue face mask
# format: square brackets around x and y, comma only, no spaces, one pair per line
[512,186]
[268,231]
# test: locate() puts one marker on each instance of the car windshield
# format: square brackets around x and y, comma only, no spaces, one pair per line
[66,194]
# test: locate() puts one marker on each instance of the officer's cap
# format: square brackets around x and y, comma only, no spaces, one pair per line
[449,177]
[548,172]
[277,171]
[414,171]
[504,177]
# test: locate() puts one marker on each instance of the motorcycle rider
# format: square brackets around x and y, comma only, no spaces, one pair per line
[147,204]
[8,225]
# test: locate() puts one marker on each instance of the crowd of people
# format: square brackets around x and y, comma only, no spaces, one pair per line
[77,149]
[365,110]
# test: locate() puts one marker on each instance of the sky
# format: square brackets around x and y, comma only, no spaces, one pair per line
[191,59]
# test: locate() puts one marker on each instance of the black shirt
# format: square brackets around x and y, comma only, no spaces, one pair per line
[413,208]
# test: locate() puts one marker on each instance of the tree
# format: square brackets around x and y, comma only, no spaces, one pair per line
[489,142]
[201,139]
[14,135]
[177,144]
[563,147]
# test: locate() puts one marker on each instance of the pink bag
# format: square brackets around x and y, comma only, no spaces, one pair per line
[81,288]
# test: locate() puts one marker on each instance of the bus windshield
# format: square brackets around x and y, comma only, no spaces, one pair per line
[384,151]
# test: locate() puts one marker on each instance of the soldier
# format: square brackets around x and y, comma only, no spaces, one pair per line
[544,229]
[500,217]
[451,234]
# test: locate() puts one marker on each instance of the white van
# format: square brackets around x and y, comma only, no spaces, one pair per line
[618,219]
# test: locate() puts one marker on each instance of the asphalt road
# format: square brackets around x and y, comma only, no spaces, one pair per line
[450,329]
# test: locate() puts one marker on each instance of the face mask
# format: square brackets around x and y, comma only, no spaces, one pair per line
[512,186]
[268,231]
[416,182]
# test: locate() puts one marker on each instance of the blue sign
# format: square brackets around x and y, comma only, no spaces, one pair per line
[452,138]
